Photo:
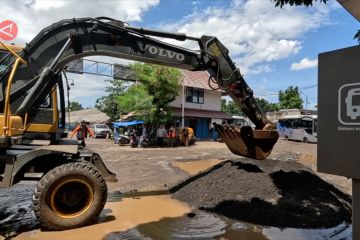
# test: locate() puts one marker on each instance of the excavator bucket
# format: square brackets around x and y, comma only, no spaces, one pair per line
[245,141]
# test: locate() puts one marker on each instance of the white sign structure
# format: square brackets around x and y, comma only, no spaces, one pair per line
[339,120]
[349,104]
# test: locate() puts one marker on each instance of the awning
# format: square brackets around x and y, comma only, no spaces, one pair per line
[200,113]
[126,124]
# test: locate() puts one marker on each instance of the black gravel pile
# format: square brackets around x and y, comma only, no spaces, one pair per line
[270,193]
[16,210]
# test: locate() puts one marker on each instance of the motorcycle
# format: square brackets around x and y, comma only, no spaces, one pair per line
[124,139]
[134,140]
[146,142]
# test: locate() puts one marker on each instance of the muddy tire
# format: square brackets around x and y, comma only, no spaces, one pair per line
[286,138]
[69,196]
[305,140]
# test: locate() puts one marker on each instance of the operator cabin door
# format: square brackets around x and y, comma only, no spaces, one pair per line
[45,122]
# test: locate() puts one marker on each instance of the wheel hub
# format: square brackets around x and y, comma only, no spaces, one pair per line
[71,198]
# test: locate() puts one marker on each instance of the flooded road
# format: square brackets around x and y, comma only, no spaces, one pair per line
[118,216]
[162,218]
[138,216]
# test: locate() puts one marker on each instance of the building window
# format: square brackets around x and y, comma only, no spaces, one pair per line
[194,95]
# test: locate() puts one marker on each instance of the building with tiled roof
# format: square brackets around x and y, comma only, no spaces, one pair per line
[198,104]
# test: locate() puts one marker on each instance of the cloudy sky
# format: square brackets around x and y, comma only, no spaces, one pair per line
[273,47]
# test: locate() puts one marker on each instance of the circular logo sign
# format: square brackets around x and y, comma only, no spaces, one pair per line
[8,30]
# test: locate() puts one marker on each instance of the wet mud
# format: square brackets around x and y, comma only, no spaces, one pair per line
[271,193]
[118,216]
[195,167]
[237,199]
[204,225]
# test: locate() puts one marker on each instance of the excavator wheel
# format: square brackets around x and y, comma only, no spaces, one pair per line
[70,196]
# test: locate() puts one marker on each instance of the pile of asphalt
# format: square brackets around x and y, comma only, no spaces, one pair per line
[270,193]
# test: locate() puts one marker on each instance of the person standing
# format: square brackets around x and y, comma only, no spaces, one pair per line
[160,134]
[172,136]
[143,134]
[82,132]
[185,135]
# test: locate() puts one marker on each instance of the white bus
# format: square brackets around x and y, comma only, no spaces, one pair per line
[298,128]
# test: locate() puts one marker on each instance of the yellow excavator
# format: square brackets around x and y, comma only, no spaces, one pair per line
[72,190]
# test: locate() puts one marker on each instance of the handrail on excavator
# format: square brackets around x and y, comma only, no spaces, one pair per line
[19,60]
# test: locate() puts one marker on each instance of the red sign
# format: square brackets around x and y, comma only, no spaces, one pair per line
[8,30]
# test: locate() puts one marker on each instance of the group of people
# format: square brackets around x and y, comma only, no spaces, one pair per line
[170,136]
[164,136]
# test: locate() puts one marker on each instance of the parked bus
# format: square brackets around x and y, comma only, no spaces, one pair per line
[298,128]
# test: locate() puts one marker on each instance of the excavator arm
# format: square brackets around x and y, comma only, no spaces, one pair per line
[57,45]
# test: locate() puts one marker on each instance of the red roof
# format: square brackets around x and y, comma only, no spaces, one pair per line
[191,112]
[196,79]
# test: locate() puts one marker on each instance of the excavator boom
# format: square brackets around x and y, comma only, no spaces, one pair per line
[57,45]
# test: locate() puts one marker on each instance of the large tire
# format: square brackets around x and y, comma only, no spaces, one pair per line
[70,196]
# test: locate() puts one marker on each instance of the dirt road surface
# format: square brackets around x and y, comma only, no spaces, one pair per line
[155,170]
[146,169]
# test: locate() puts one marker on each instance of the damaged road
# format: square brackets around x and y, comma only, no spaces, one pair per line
[242,195]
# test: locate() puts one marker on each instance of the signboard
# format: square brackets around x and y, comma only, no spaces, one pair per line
[8,30]
[339,112]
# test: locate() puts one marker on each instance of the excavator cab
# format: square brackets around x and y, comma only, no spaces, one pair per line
[44,124]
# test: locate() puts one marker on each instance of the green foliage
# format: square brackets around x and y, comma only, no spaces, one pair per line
[137,99]
[74,106]
[290,98]
[267,106]
[109,104]
[230,107]
[281,3]
[158,87]
[161,82]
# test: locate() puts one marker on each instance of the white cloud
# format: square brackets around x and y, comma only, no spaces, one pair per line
[254,31]
[87,88]
[33,15]
[304,64]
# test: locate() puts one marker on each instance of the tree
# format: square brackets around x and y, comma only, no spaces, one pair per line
[290,98]
[161,82]
[137,99]
[267,106]
[158,87]
[74,106]
[230,107]
[281,3]
[109,104]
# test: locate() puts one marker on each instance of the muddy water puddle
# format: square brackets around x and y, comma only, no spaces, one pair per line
[139,216]
[194,167]
[162,217]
